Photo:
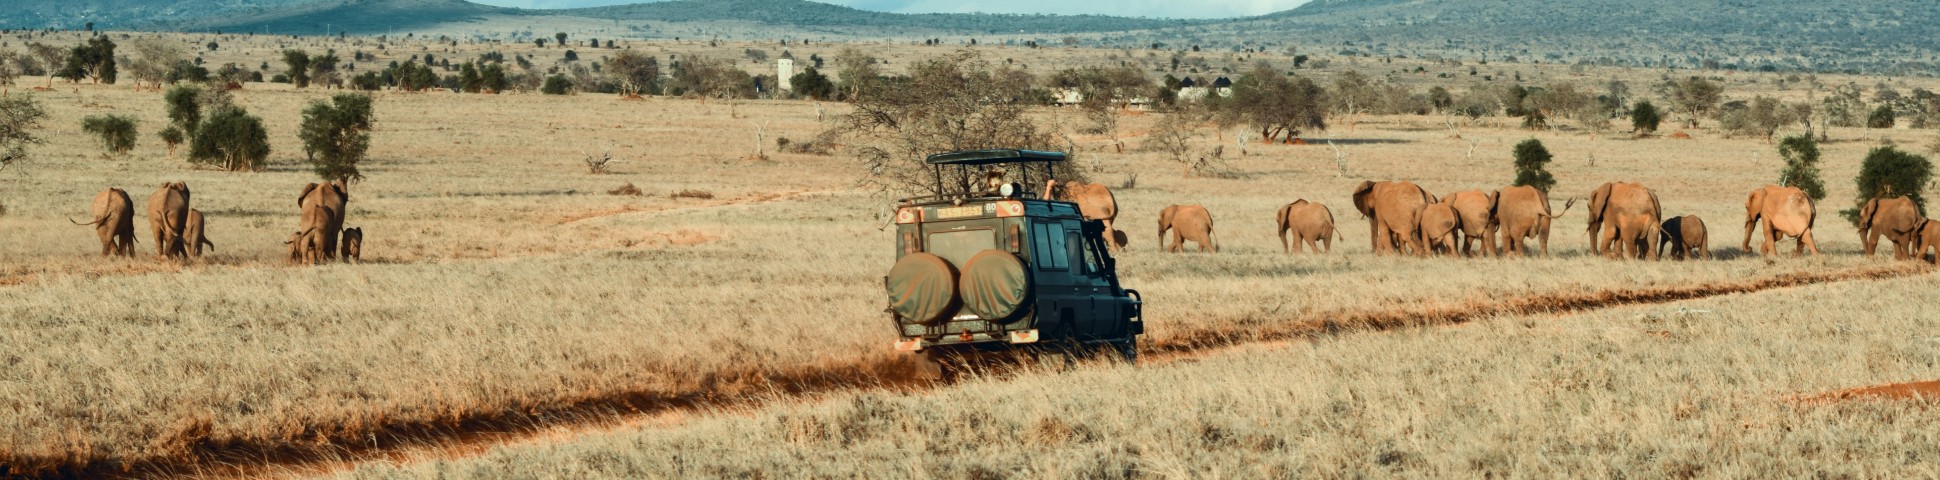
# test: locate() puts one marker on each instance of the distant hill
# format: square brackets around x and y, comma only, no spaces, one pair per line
[125,14]
[313,17]
[1865,35]
[814,14]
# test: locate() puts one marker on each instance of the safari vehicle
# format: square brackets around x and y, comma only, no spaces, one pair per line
[994,266]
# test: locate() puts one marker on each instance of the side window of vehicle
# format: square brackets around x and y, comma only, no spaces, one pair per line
[1075,248]
[1090,254]
[1049,247]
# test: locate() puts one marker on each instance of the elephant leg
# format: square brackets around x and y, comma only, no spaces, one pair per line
[1178,242]
[1751,222]
[1770,247]
[1806,243]
[1608,240]
[1376,235]
[1320,244]
[1111,239]
[1872,242]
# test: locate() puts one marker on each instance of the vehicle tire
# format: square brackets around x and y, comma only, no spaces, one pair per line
[1128,350]
[995,286]
[923,288]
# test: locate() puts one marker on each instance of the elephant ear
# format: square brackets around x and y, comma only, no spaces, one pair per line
[304,194]
[1495,207]
[1866,215]
[1281,217]
[1597,200]
[1361,198]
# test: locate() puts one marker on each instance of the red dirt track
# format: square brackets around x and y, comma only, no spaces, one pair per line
[1928,390]
[334,446]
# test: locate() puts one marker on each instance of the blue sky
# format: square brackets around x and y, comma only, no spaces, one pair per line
[1129,8]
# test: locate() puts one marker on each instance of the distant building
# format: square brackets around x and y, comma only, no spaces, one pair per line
[785,73]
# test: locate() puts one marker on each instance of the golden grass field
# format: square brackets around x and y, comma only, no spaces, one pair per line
[503,285]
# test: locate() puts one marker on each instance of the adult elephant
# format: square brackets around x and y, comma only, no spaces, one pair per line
[1625,220]
[1787,212]
[1476,212]
[114,222]
[331,198]
[1897,219]
[1187,222]
[168,217]
[1393,210]
[1521,213]
[1095,202]
[1312,225]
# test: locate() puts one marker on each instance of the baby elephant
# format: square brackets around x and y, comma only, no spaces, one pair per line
[306,247]
[352,246]
[1686,238]
[192,234]
[1187,222]
[1926,237]
[1439,226]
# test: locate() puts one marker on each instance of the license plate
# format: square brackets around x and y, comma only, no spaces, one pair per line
[960,212]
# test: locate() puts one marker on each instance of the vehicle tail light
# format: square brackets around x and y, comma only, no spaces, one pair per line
[911,345]
[1026,336]
[1016,238]
[1010,208]
[908,215]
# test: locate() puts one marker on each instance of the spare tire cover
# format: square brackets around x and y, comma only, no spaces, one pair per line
[923,288]
[995,285]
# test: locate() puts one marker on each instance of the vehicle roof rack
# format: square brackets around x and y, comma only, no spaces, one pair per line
[994,156]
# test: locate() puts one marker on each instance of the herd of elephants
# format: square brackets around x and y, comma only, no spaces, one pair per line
[1625,221]
[177,228]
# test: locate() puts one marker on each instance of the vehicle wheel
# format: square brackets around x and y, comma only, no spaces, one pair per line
[1128,349]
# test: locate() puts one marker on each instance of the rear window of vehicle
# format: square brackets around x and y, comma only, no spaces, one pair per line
[958,247]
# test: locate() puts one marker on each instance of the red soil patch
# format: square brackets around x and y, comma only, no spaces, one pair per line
[1298,141]
[1927,390]
[1681,136]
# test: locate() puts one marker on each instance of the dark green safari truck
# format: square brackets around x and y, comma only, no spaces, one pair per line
[986,263]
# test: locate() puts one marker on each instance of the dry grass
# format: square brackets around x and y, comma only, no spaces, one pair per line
[1697,388]
[503,282]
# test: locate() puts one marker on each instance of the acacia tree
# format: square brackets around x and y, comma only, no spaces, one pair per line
[93,59]
[1275,103]
[336,135]
[20,115]
[117,132]
[634,72]
[952,102]
[1695,97]
[153,59]
[857,73]
[299,63]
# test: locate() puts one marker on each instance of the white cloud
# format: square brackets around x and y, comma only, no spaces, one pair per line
[1126,8]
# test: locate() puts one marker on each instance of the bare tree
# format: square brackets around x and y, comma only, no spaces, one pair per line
[951,103]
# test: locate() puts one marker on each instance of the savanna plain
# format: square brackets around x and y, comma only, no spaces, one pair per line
[503,285]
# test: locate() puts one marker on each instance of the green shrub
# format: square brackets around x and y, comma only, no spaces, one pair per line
[1531,156]
[557,85]
[117,132]
[1801,156]
[1644,118]
[173,136]
[231,138]
[1889,172]
[20,115]
[1880,118]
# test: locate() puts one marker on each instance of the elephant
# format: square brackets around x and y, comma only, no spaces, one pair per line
[333,198]
[1187,222]
[1926,238]
[1310,223]
[1095,201]
[114,222]
[1624,221]
[1897,218]
[168,214]
[1686,237]
[192,235]
[1787,212]
[307,245]
[1393,210]
[1522,212]
[1439,226]
[352,245]
[1476,210]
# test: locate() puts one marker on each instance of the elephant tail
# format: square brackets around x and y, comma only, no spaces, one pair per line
[97,221]
[1566,207]
[205,241]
